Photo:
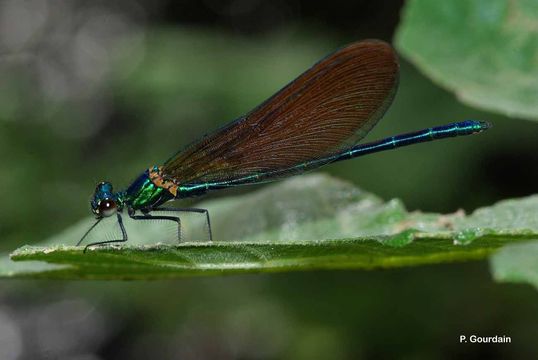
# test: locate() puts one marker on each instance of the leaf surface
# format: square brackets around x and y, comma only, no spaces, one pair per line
[305,223]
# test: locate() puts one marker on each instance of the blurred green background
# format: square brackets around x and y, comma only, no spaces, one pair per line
[95,90]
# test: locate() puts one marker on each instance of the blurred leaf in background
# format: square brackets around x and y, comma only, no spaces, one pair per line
[483,50]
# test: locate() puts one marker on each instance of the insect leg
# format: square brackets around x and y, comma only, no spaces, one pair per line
[160,217]
[89,230]
[196,210]
[123,232]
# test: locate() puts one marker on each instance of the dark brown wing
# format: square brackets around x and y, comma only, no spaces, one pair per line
[329,107]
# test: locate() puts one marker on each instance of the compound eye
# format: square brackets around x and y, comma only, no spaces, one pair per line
[107,207]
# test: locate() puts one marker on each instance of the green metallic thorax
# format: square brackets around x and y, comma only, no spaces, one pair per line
[144,194]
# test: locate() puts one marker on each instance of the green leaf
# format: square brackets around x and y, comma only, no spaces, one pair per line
[304,223]
[516,263]
[483,50]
